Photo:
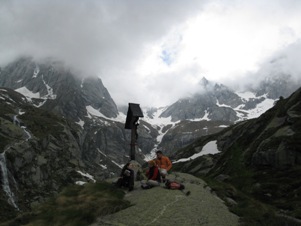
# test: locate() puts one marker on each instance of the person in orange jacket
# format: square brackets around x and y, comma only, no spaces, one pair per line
[164,164]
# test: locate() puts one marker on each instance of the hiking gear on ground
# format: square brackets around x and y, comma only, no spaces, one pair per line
[174,185]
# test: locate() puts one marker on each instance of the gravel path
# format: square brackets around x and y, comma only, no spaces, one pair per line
[160,206]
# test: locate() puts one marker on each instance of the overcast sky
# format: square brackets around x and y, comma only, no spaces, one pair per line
[154,52]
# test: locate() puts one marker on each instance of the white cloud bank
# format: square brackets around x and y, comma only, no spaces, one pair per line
[153,52]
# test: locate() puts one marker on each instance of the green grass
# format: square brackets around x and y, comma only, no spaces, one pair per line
[75,206]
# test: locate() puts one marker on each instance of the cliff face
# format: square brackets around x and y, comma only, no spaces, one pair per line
[50,86]
[272,140]
[55,88]
[215,101]
[260,157]
[40,153]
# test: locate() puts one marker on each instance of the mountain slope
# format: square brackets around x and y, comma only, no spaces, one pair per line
[68,129]
[39,152]
[49,85]
[209,101]
[259,157]
[219,103]
[55,88]
[212,109]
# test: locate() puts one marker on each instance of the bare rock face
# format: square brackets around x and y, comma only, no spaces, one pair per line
[57,88]
[207,101]
[186,132]
[281,146]
[40,154]
[260,157]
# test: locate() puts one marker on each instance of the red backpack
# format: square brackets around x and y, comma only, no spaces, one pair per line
[174,185]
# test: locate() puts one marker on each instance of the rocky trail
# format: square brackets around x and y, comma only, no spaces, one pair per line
[160,206]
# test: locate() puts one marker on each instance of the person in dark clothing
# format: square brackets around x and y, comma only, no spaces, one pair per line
[153,176]
[126,178]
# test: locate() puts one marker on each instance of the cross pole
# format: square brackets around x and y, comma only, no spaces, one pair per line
[133,114]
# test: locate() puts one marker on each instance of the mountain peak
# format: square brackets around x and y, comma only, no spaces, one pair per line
[53,86]
[204,82]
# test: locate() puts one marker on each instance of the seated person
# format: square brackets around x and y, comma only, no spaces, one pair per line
[153,176]
[126,178]
[164,164]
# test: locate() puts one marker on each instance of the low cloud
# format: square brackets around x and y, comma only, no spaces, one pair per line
[281,64]
[91,35]
[155,52]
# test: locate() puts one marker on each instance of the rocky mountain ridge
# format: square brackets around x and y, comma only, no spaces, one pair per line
[77,134]
[259,157]
[214,108]
[40,153]
[50,86]
[219,103]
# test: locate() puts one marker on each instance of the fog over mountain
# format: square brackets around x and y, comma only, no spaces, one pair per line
[284,63]
[156,52]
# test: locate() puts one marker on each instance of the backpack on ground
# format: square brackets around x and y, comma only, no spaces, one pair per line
[174,185]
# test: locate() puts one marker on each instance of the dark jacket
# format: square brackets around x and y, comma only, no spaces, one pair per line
[126,178]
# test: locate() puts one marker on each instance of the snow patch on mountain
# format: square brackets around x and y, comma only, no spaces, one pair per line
[246,95]
[209,148]
[117,164]
[260,108]
[81,123]
[222,105]
[87,175]
[30,95]
[36,71]
[82,83]
[50,94]
[151,155]
[27,93]
[159,122]
[101,152]
[156,120]
[204,118]
[94,112]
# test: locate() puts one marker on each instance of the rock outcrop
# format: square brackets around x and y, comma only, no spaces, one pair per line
[260,157]
[160,206]
[206,104]
[55,88]
[40,154]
